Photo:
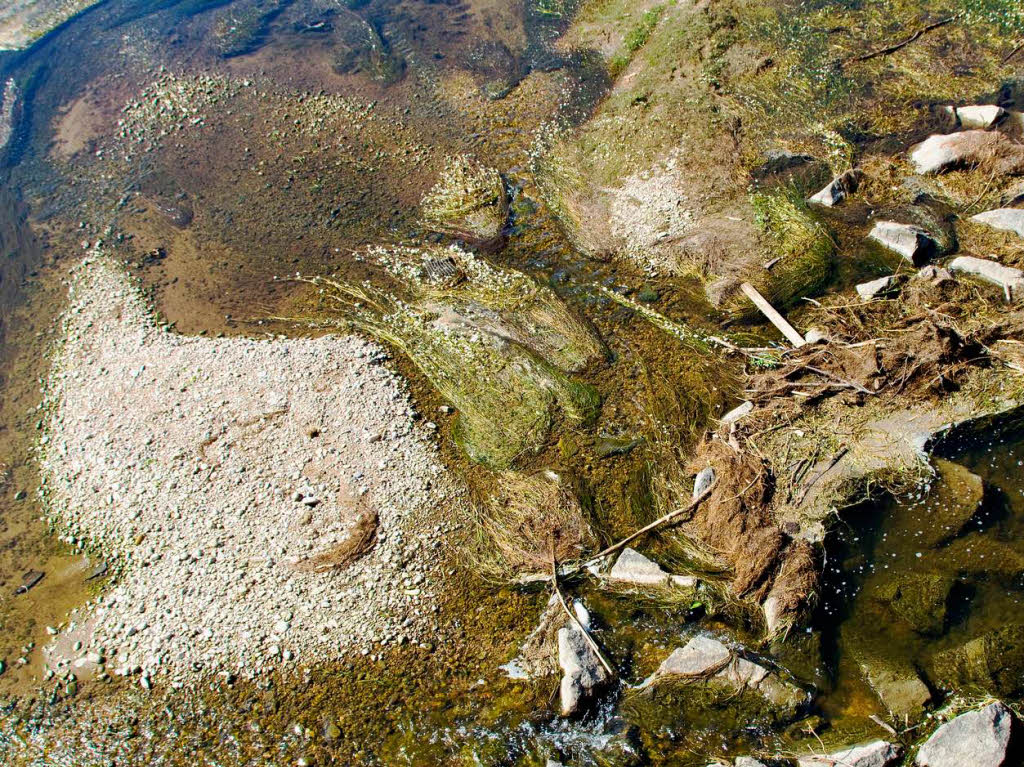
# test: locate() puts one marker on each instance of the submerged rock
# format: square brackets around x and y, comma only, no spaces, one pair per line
[838,189]
[913,243]
[917,599]
[633,567]
[992,662]
[875,754]
[977,738]
[469,201]
[1004,219]
[1005,277]
[582,671]
[876,288]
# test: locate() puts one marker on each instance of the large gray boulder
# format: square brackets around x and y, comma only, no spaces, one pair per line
[875,754]
[633,567]
[977,738]
[582,671]
[1004,219]
[1005,277]
[911,242]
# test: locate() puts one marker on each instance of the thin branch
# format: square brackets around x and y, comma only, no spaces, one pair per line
[897,46]
[653,525]
[572,613]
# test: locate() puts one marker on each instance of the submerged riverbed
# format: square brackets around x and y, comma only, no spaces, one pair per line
[536,219]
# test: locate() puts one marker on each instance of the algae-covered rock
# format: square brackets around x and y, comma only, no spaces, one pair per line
[241,27]
[992,663]
[951,506]
[917,599]
[495,343]
[469,201]
[892,677]
[358,48]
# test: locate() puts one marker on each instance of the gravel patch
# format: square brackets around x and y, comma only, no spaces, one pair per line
[213,471]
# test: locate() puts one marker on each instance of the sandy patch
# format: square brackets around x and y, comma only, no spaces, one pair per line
[217,473]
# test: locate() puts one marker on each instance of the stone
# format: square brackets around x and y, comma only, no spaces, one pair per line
[934,274]
[967,148]
[702,656]
[553,763]
[917,599]
[705,478]
[633,567]
[707,659]
[816,336]
[582,671]
[738,412]
[875,288]
[977,738]
[990,663]
[911,242]
[875,754]
[837,189]
[748,761]
[1004,219]
[1005,277]
[899,688]
[979,116]
[952,504]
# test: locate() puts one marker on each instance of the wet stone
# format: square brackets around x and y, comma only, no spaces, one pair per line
[838,189]
[917,599]
[912,242]
[978,738]
[875,754]
[582,671]
[633,567]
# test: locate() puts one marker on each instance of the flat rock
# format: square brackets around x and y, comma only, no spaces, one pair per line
[875,288]
[748,761]
[1004,219]
[934,274]
[977,738]
[942,152]
[582,671]
[837,189]
[633,567]
[911,242]
[875,754]
[705,658]
[977,116]
[1004,276]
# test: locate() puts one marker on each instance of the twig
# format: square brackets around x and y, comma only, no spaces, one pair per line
[838,380]
[836,459]
[883,724]
[647,528]
[1014,52]
[895,47]
[572,614]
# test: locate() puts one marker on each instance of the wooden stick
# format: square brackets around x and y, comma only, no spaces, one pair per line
[647,528]
[572,614]
[895,47]
[776,319]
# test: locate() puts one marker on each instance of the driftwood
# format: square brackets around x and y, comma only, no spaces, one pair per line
[776,319]
[903,44]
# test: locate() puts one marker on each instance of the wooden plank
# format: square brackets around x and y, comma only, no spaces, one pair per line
[776,319]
